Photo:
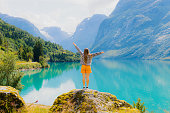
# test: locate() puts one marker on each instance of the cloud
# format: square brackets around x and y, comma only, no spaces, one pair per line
[102,6]
[66,14]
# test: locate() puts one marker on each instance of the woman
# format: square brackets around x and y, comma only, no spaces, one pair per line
[86,59]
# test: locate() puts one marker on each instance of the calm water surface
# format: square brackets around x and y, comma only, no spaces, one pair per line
[128,80]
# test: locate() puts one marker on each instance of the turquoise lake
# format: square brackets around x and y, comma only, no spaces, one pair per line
[126,79]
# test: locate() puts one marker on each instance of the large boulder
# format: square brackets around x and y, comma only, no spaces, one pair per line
[10,100]
[88,100]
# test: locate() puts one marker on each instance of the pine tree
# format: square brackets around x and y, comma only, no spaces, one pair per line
[20,51]
[1,38]
[6,44]
[29,56]
[29,53]
[38,51]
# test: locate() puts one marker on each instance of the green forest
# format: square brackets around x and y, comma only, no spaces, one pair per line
[30,48]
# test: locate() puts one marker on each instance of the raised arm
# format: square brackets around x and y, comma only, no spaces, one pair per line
[98,53]
[78,49]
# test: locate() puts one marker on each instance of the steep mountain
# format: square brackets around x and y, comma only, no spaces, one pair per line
[136,29]
[22,24]
[85,33]
[55,34]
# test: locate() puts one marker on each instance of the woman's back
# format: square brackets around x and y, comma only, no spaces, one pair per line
[89,56]
[89,59]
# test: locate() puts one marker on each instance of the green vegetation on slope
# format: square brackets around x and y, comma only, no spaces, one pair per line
[23,44]
[9,75]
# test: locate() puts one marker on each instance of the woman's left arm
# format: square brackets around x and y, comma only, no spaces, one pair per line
[98,53]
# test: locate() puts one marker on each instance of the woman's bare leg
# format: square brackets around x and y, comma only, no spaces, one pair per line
[87,79]
[84,75]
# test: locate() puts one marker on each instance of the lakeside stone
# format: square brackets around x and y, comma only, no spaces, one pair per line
[78,100]
[88,100]
[10,100]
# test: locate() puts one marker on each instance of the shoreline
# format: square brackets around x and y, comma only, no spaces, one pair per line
[30,69]
[40,67]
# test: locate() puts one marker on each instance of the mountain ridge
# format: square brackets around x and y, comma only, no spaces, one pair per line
[22,24]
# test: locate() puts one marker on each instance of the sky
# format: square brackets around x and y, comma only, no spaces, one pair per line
[66,14]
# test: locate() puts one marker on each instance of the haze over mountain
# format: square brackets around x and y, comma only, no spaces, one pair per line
[55,34]
[22,24]
[136,29]
[85,33]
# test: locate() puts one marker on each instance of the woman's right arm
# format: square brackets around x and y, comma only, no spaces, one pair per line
[78,49]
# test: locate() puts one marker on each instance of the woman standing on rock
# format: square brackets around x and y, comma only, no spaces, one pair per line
[86,59]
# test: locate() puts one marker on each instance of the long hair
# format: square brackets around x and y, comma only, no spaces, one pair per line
[86,53]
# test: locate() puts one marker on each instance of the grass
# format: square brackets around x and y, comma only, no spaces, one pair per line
[37,108]
[27,65]
[126,110]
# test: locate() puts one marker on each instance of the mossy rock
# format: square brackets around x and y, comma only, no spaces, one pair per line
[10,100]
[87,100]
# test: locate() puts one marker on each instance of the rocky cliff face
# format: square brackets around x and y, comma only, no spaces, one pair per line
[90,101]
[85,33]
[136,29]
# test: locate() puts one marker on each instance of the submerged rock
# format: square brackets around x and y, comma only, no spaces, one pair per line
[88,100]
[10,100]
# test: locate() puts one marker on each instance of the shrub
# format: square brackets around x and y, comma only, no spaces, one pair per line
[43,61]
[9,76]
[139,106]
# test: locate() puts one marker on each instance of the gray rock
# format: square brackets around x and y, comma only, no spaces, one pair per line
[88,100]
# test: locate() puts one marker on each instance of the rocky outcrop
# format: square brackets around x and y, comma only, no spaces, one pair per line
[10,100]
[90,101]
